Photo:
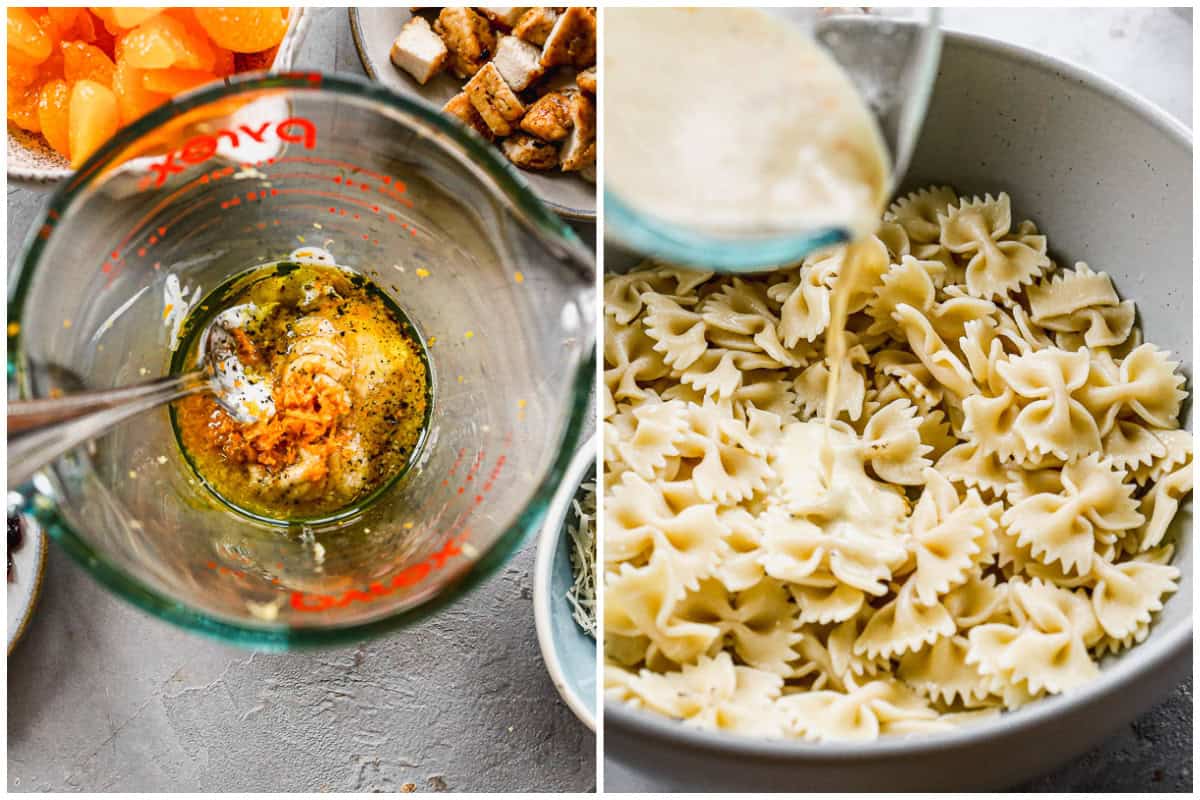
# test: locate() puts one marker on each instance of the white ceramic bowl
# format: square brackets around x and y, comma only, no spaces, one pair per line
[31,158]
[1108,177]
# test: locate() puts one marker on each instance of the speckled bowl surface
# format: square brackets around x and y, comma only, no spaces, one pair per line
[567,650]
[1107,177]
[31,158]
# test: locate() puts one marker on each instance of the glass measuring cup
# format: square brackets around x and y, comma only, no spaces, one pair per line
[891,56]
[498,289]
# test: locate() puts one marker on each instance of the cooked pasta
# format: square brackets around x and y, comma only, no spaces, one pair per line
[1006,461]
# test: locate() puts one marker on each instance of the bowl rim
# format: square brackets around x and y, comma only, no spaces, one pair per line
[553,529]
[356,34]
[1154,652]
[518,199]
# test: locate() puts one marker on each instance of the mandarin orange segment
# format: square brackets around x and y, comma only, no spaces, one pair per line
[174,81]
[164,41]
[93,119]
[244,30]
[22,107]
[53,106]
[133,99]
[21,75]
[26,37]
[132,17]
[83,61]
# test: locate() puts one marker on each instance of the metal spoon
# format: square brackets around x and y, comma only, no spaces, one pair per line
[41,430]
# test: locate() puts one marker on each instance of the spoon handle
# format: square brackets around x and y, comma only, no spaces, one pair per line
[41,430]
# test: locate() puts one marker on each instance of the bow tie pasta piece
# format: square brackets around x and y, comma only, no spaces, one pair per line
[759,621]
[942,674]
[920,212]
[740,568]
[1046,649]
[654,436]
[850,667]
[892,444]
[1161,504]
[678,332]
[978,600]
[1177,451]
[950,537]
[903,625]
[1082,307]
[1053,420]
[811,385]
[642,601]
[649,519]
[930,348]
[713,694]
[836,602]
[625,295]
[860,715]
[1126,594]
[998,265]
[1146,383]
[804,306]
[974,466]
[1095,506]
[630,358]
[1131,446]
[911,282]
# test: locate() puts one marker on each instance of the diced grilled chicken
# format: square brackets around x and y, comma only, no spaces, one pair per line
[494,99]
[587,80]
[528,152]
[579,151]
[535,25]
[519,62]
[469,38]
[460,106]
[549,117]
[503,18]
[572,40]
[419,51]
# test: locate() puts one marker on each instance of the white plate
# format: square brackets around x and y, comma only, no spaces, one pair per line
[29,566]
[374,31]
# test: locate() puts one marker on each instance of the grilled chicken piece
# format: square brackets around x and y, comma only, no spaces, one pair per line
[579,151]
[549,117]
[469,38]
[519,62]
[460,106]
[587,80]
[572,40]
[529,153]
[419,51]
[503,18]
[494,99]
[535,25]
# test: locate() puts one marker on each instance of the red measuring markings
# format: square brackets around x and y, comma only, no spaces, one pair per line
[198,149]
[305,601]
[457,536]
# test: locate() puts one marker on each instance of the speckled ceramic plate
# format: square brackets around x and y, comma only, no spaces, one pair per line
[568,651]
[375,29]
[29,566]
[30,158]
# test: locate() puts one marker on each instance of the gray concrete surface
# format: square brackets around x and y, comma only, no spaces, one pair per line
[1148,51]
[102,697]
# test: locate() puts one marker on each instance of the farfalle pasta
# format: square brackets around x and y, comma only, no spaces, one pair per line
[987,516]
